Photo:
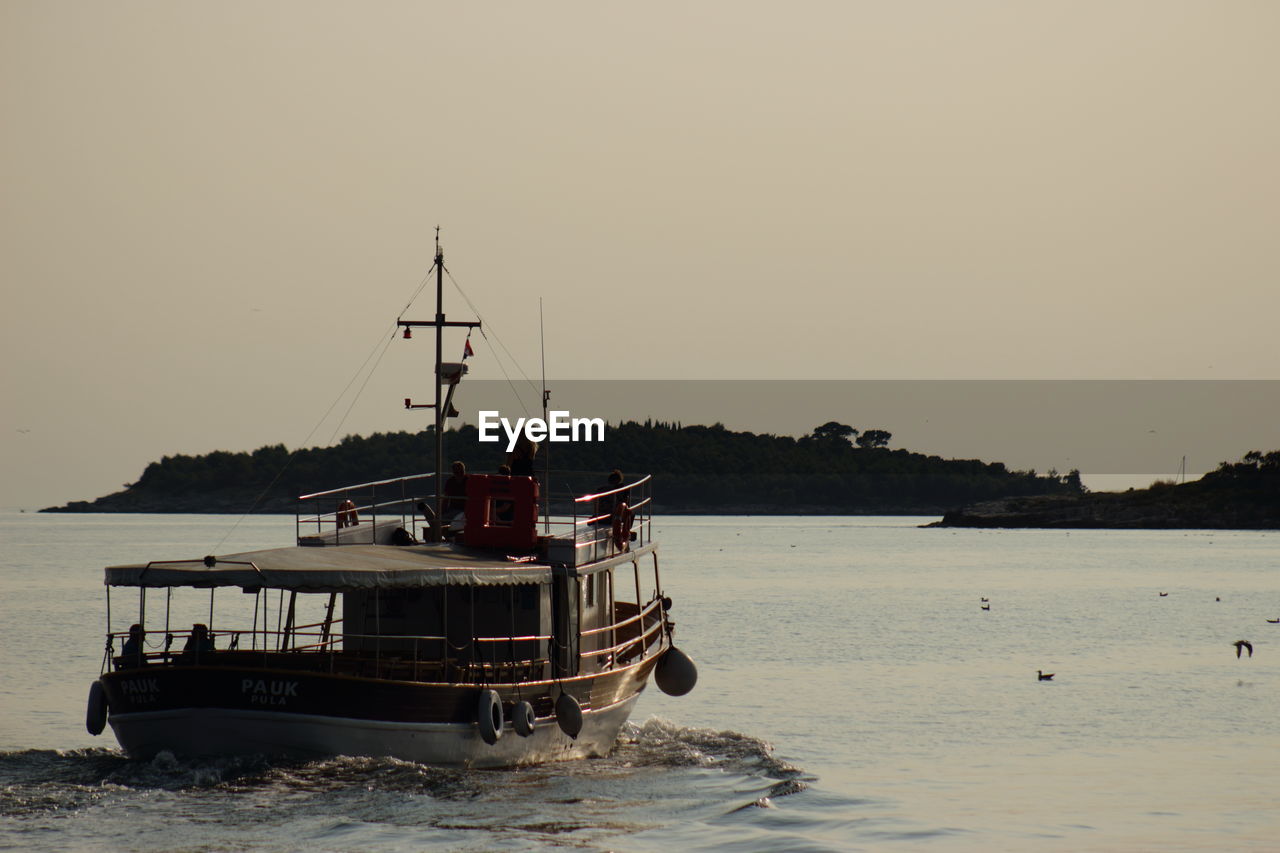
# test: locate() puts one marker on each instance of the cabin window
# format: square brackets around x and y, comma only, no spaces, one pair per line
[626,587]
[503,612]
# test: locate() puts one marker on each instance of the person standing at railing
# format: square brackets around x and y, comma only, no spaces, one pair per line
[521,459]
[607,504]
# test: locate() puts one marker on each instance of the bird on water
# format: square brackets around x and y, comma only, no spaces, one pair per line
[1242,645]
[1041,675]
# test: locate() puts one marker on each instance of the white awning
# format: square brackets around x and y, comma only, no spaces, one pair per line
[335,569]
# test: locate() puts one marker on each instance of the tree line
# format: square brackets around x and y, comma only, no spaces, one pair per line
[836,469]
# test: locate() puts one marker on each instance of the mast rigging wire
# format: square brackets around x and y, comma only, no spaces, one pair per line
[483,334]
[390,336]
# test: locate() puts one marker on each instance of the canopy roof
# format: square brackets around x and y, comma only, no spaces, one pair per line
[335,569]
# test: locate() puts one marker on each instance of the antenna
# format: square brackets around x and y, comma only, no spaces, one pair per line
[546,399]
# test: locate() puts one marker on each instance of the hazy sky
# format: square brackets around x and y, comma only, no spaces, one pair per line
[212,213]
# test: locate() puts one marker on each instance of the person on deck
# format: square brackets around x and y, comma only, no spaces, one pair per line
[608,503]
[504,510]
[134,652]
[199,645]
[455,491]
[521,459]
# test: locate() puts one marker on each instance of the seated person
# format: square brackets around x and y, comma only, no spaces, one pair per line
[134,652]
[504,511]
[455,491]
[199,645]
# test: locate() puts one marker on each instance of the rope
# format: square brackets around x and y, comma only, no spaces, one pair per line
[360,391]
[389,336]
[496,338]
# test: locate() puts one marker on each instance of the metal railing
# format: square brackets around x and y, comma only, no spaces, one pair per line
[613,655]
[351,514]
[408,657]
[584,524]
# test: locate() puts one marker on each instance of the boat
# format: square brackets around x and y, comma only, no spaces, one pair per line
[447,625]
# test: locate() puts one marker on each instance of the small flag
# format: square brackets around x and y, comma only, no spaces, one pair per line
[467,350]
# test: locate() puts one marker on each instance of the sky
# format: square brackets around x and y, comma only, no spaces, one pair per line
[212,214]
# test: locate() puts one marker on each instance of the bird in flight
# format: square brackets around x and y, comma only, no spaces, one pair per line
[1242,645]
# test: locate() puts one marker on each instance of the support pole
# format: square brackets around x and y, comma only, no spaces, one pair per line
[437,527]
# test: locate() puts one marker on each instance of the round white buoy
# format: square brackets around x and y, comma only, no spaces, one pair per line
[95,717]
[569,715]
[489,716]
[522,718]
[676,673]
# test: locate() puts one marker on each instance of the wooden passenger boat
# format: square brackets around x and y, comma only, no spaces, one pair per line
[510,641]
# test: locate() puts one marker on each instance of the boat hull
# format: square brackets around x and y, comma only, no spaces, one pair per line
[220,731]
[208,711]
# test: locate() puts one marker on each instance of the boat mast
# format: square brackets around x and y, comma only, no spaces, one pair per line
[546,401]
[440,403]
[441,414]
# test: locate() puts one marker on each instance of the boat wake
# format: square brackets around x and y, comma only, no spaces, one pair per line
[659,742]
[656,771]
[35,781]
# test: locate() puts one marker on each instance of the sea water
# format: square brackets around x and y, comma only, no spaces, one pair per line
[853,695]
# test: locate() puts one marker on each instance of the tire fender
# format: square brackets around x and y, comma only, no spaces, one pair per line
[522,718]
[489,716]
[95,716]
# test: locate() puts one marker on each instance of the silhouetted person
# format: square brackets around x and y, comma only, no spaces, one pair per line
[199,645]
[455,491]
[504,510]
[133,653]
[606,504]
[521,459]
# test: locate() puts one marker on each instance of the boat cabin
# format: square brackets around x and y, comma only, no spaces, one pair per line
[504,599]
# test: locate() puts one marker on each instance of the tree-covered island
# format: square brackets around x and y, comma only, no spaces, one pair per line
[836,470]
[1242,495]
[711,470]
